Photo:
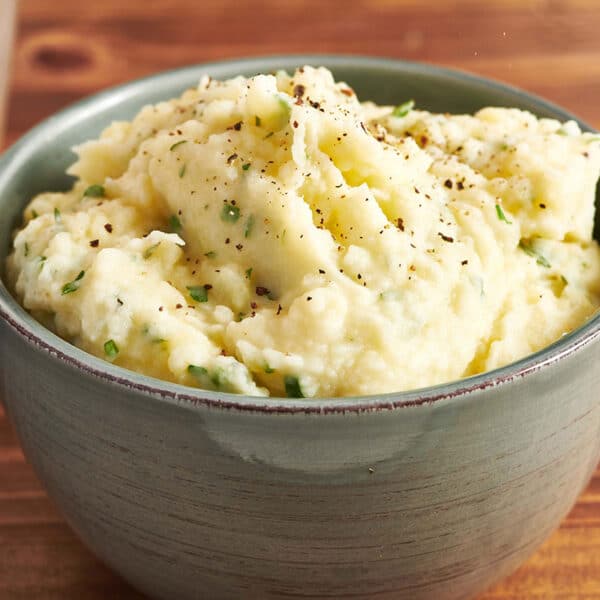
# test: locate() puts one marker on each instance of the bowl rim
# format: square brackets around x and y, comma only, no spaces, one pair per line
[44,340]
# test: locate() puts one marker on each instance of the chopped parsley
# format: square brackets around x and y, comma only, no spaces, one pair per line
[197,372]
[249,226]
[527,247]
[246,166]
[174,224]
[292,387]
[73,286]
[248,273]
[111,349]
[230,213]
[199,293]
[95,191]
[173,146]
[403,109]
[501,215]
[182,170]
[148,252]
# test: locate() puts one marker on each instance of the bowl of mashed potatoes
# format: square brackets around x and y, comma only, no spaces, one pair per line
[305,325]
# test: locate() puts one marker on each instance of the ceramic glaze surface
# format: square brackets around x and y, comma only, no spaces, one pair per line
[192,494]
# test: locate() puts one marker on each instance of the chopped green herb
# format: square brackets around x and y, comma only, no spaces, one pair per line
[527,247]
[230,213]
[268,135]
[34,214]
[210,254]
[564,280]
[111,349]
[246,166]
[501,215]
[219,378]
[593,138]
[57,216]
[198,372]
[257,121]
[199,293]
[95,191]
[249,226]
[240,316]
[148,252]
[561,131]
[73,286]
[182,170]
[25,249]
[292,387]
[42,261]
[177,144]
[248,273]
[174,224]
[403,109]
[158,341]
[268,369]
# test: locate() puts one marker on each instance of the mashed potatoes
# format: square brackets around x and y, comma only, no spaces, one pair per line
[275,236]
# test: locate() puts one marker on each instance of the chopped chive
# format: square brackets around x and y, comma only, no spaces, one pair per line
[57,216]
[173,146]
[248,273]
[230,213]
[110,348]
[246,166]
[199,293]
[25,249]
[42,261]
[219,378]
[148,252]
[210,254]
[292,387]
[249,226]
[174,224]
[73,286]
[527,247]
[95,191]
[182,170]
[501,215]
[403,109]
[196,371]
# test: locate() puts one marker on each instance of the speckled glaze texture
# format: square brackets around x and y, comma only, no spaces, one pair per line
[433,494]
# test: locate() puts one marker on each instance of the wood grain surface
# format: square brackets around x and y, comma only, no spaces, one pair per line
[67,49]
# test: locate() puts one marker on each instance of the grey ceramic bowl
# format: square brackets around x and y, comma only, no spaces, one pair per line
[435,493]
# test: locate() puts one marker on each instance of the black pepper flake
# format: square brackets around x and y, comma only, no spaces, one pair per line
[308,298]
[238,126]
[279,309]
[448,184]
[227,240]
[108,227]
[464,262]
[299,91]
[400,224]
[295,124]
[253,305]
[179,306]
[460,185]
[231,158]
[160,309]
[446,238]
[94,243]
[262,291]
[239,247]
[322,271]
[542,205]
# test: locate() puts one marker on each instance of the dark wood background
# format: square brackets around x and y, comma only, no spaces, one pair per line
[67,49]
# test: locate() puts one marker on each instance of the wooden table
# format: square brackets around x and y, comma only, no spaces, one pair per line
[70,48]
